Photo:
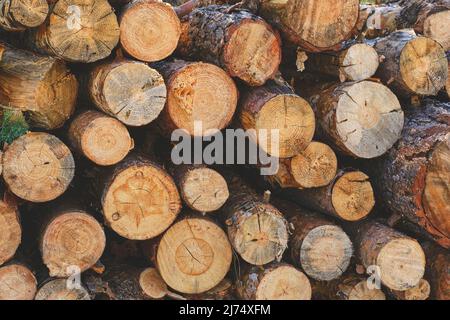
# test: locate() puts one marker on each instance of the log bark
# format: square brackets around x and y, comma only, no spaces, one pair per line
[399,259]
[412,65]
[360,119]
[421,291]
[10,231]
[276,281]
[43,87]
[256,229]
[77,31]
[241,43]
[38,167]
[275,106]
[17,282]
[349,196]
[194,255]
[149,30]
[197,93]
[317,245]
[413,177]
[438,264]
[18,15]
[56,289]
[128,90]
[102,139]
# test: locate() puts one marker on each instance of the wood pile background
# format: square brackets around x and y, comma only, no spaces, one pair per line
[91,90]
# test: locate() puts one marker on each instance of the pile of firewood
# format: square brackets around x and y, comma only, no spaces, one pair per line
[91,92]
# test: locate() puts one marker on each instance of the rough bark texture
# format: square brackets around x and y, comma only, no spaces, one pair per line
[438,264]
[18,15]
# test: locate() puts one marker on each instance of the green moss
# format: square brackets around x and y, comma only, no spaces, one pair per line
[12,126]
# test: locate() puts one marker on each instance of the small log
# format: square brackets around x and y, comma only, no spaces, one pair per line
[275,106]
[77,31]
[243,44]
[197,93]
[321,248]
[193,256]
[421,291]
[412,65]
[438,264]
[360,119]
[149,30]
[10,231]
[400,259]
[18,15]
[128,90]
[277,281]
[38,167]
[102,139]
[349,196]
[17,282]
[57,289]
[43,87]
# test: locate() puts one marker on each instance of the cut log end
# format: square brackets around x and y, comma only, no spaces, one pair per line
[204,189]
[29,13]
[17,283]
[402,263]
[423,66]
[353,196]
[252,52]
[72,239]
[314,167]
[435,27]
[141,202]
[194,255]
[38,167]
[326,252]
[421,291]
[360,62]
[10,232]
[284,283]
[201,93]
[149,30]
[58,289]
[362,292]
[152,284]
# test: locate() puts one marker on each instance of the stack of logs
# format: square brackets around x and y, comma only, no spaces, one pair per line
[358,209]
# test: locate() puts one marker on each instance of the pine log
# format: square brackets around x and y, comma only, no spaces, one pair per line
[17,282]
[149,30]
[314,167]
[243,44]
[128,90]
[438,264]
[102,139]
[348,287]
[276,281]
[357,62]
[18,15]
[194,255]
[10,231]
[378,21]
[349,196]
[447,85]
[77,31]
[400,259]
[38,167]
[56,289]
[275,106]
[139,199]
[197,93]
[320,247]
[41,86]
[420,291]
[360,119]
[223,291]
[257,231]
[413,178]
[412,65]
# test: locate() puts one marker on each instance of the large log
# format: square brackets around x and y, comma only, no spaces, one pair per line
[275,106]
[360,119]
[38,167]
[18,15]
[128,90]
[149,30]
[241,43]
[77,31]
[57,289]
[10,231]
[413,178]
[17,282]
[412,65]
[43,87]
[102,139]
[276,281]
[198,93]
[438,264]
